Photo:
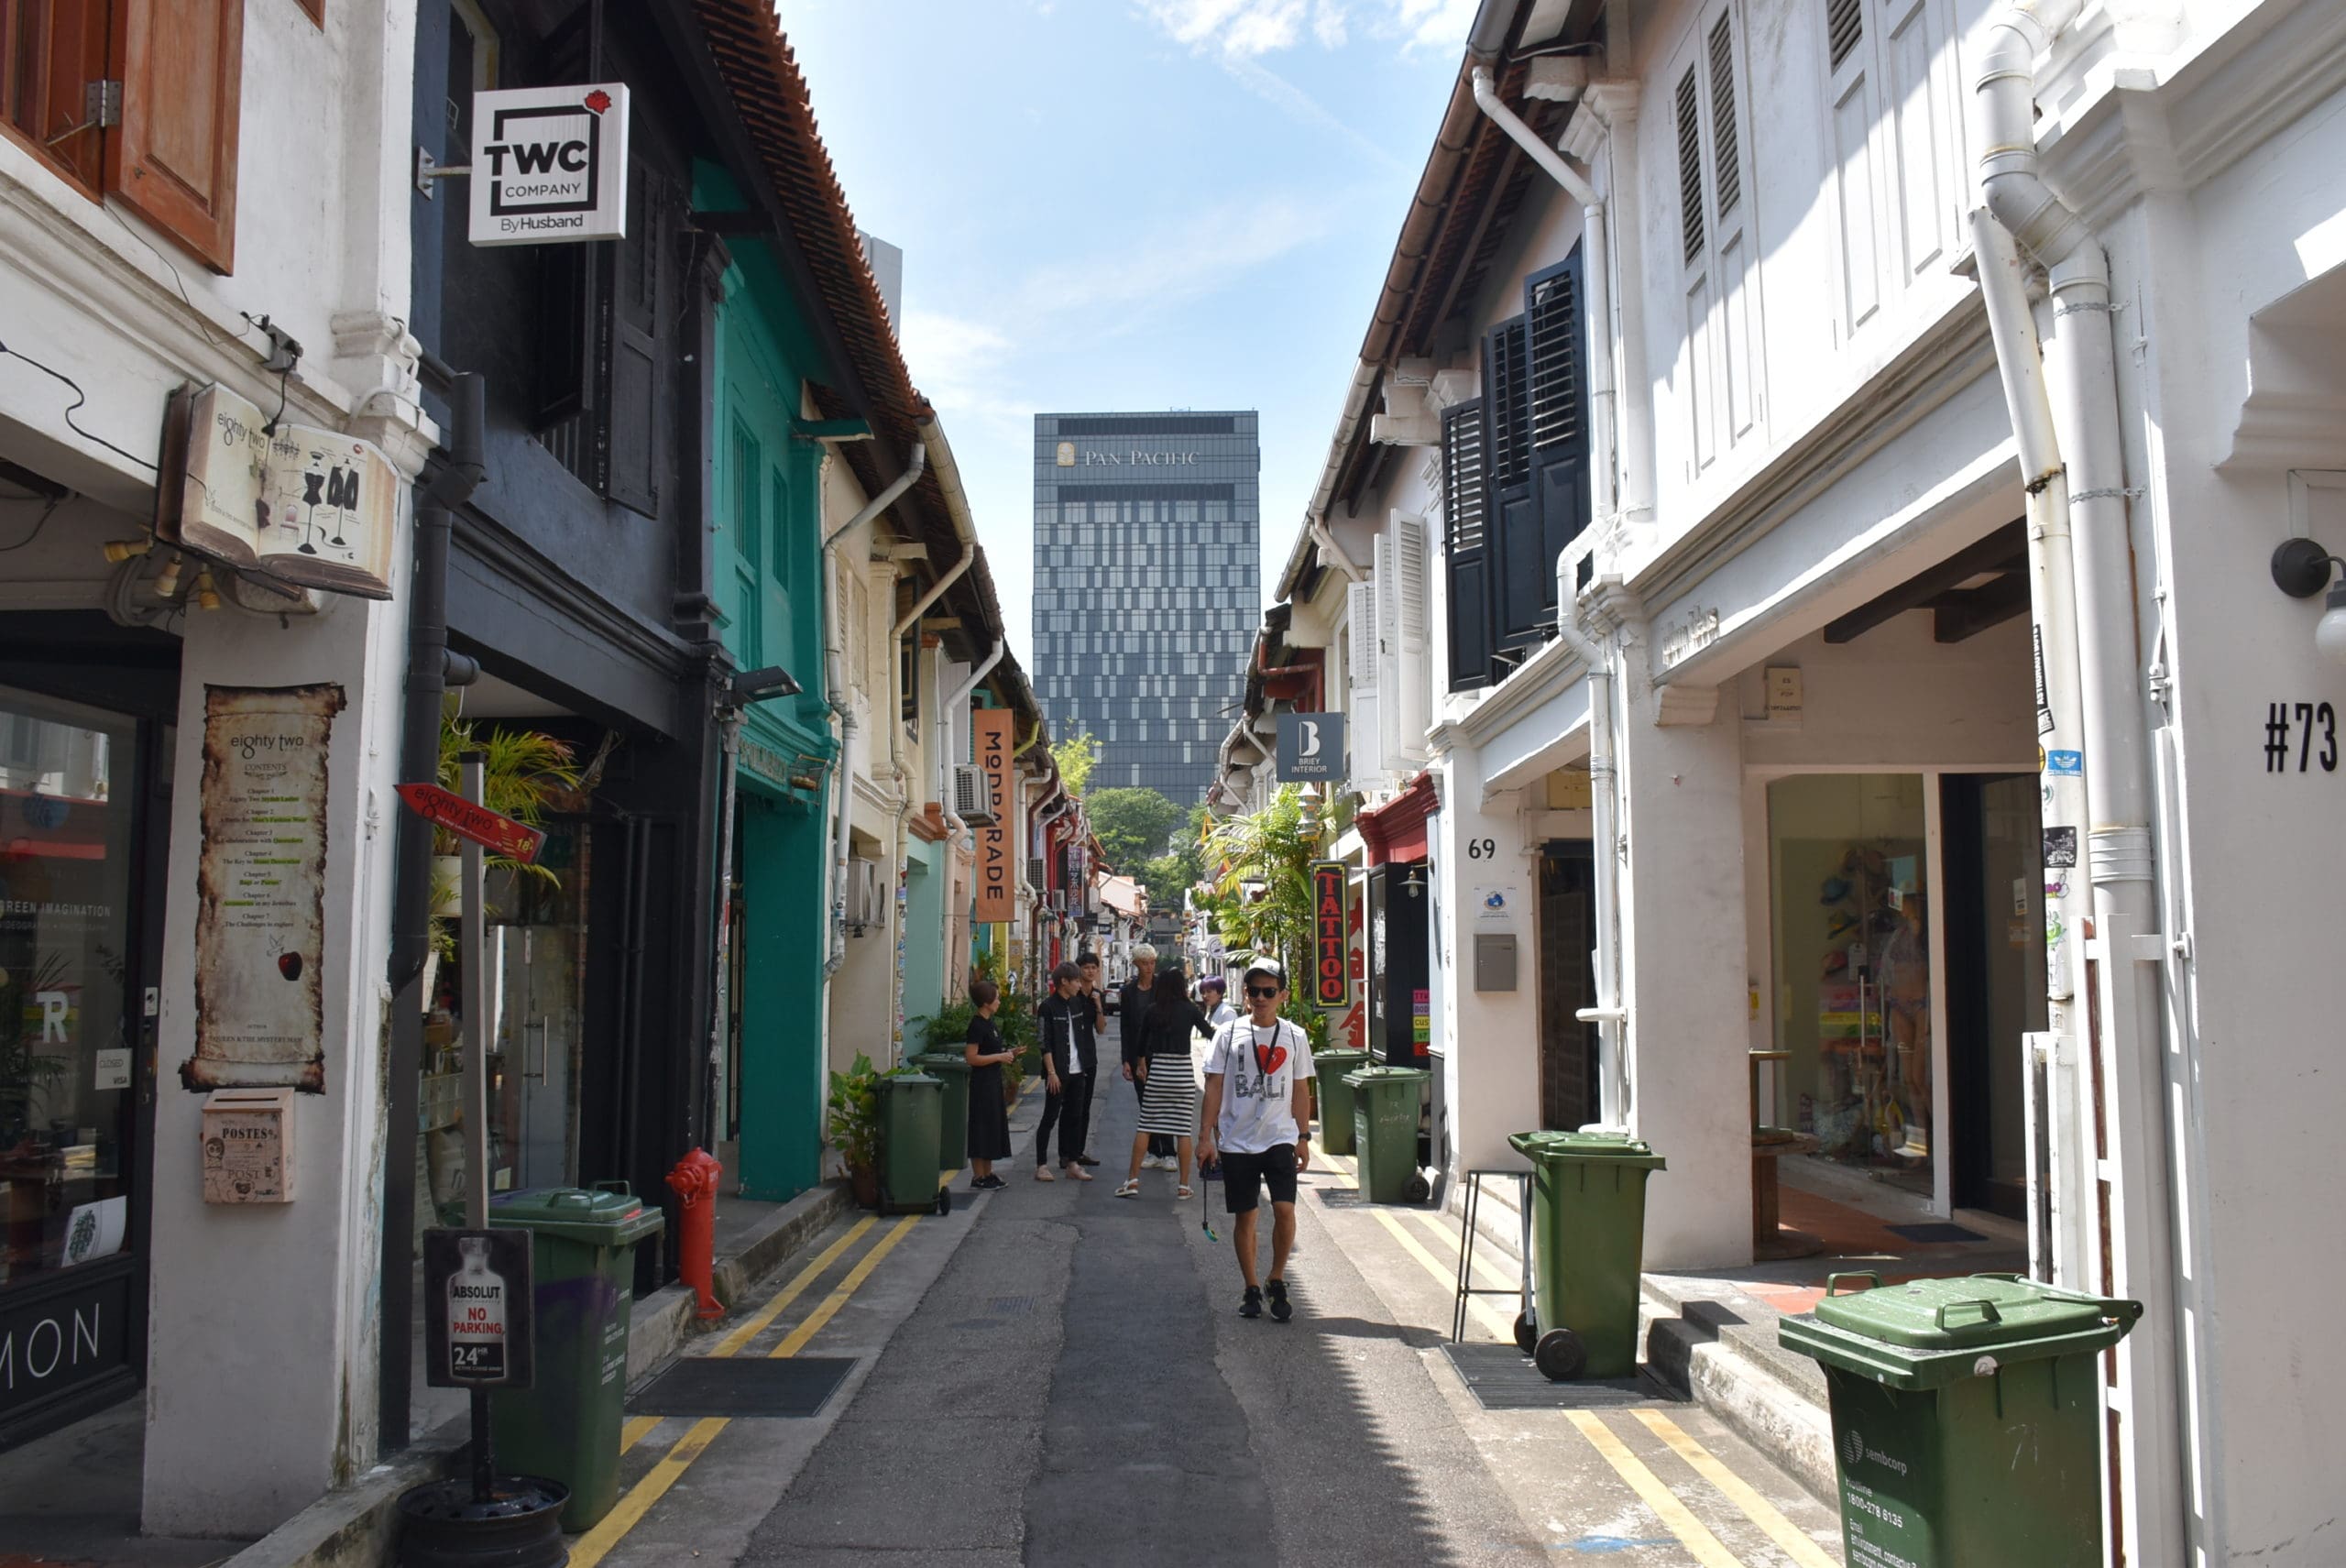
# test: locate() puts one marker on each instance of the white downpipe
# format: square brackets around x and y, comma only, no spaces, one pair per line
[1596,271]
[1633,414]
[842,841]
[2081,368]
[1609,1015]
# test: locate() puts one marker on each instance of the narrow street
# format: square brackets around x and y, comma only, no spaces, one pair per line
[1054,1378]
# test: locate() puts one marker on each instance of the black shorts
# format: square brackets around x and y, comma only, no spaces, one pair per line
[1242,1176]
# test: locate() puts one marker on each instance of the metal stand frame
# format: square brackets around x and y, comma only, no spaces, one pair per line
[1470,1206]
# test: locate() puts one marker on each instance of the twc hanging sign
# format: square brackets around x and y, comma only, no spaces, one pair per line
[550,165]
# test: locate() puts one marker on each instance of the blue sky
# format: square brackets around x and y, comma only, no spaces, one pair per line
[1130,205]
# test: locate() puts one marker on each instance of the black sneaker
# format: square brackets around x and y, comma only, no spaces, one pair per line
[1252,1305]
[1281,1308]
[987,1183]
[1085,1159]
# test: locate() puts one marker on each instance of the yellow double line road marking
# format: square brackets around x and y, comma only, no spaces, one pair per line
[1691,1533]
[596,1543]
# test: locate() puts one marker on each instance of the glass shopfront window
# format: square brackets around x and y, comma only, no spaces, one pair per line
[1849,868]
[66,1023]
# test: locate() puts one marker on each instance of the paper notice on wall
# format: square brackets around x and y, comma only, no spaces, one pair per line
[260,889]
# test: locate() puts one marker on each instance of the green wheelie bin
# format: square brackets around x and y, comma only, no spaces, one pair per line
[1386,1101]
[952,1070]
[1588,1242]
[912,1107]
[1966,1417]
[565,1427]
[1336,1097]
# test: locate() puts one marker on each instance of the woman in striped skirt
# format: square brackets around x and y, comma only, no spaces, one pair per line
[1169,1095]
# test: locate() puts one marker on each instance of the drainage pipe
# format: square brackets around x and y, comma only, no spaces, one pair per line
[1596,272]
[1610,1017]
[2081,368]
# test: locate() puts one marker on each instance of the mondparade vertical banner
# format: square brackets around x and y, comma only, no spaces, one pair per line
[1332,984]
[989,731]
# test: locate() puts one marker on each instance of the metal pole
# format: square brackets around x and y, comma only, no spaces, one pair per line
[728,720]
[474,957]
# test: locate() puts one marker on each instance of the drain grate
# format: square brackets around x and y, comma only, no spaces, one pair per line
[709,1385]
[1339,1197]
[1502,1377]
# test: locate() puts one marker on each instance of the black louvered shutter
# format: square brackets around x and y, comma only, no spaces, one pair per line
[632,437]
[1558,351]
[1521,605]
[1466,545]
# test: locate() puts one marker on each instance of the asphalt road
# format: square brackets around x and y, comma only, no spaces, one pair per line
[1051,1377]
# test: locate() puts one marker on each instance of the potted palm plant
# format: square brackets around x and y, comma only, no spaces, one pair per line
[525,773]
[853,1127]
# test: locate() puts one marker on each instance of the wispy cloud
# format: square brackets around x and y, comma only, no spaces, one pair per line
[1298,105]
[1248,30]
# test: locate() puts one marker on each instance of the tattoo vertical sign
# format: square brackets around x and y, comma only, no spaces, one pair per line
[260,889]
[1331,936]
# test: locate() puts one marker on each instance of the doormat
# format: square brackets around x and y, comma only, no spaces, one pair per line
[1936,1231]
[1502,1377]
[713,1386]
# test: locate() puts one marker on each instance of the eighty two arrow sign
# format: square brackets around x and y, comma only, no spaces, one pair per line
[490,829]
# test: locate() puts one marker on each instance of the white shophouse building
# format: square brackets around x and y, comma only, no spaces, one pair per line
[1987,777]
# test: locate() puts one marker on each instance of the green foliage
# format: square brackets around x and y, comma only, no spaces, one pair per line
[1077,756]
[1170,876]
[1267,847]
[853,1127]
[1132,825]
[523,774]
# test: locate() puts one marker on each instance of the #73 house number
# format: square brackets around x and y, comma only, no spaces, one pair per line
[2306,723]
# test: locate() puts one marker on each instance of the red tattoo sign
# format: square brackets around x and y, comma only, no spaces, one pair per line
[492,830]
[1331,984]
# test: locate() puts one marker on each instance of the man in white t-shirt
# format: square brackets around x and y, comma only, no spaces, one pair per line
[1257,1122]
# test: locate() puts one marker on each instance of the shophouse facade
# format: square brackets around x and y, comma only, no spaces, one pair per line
[1145,585]
[1924,703]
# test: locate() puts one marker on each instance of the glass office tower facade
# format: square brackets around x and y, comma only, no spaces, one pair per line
[1147,586]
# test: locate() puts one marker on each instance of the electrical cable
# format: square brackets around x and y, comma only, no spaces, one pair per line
[80,397]
[282,377]
[201,325]
[38,523]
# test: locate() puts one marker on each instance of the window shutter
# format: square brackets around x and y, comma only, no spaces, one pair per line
[1844,22]
[1365,733]
[174,159]
[1554,302]
[632,435]
[1522,600]
[1690,165]
[1401,568]
[1727,170]
[1465,499]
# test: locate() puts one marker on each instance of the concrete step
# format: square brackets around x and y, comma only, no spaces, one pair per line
[1717,1344]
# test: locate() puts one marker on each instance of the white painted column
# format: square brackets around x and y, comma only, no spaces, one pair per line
[1491,1037]
[1684,954]
[262,1354]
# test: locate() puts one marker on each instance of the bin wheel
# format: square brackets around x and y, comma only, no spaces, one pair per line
[1526,1333]
[1421,1189]
[1560,1355]
[944,1199]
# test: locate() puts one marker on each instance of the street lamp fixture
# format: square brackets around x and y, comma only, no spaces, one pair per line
[756,685]
[2302,568]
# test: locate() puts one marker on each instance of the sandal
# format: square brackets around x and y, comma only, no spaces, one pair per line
[1129,1190]
[1043,1173]
[1183,1194]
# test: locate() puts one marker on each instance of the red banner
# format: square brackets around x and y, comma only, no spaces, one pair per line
[997,900]
[1331,981]
[492,830]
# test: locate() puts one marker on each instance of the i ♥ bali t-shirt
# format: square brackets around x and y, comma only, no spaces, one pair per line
[1260,1067]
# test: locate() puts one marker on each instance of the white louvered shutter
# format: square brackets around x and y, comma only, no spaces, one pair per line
[1408,685]
[1367,718]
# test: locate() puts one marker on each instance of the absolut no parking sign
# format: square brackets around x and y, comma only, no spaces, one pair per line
[550,164]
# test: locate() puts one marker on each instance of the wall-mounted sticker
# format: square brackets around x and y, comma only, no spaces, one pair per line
[2060,846]
[260,889]
[2068,765]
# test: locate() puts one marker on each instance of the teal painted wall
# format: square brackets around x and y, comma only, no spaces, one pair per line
[923,938]
[768,581]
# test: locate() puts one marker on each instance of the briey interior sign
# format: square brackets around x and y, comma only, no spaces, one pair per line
[550,164]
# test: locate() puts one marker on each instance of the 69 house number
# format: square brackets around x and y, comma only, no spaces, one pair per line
[1482,850]
[2300,736]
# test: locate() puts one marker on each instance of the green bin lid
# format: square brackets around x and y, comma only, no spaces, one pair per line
[1362,1077]
[1343,1056]
[607,1214]
[934,1062]
[1927,1332]
[1611,1147]
[909,1080]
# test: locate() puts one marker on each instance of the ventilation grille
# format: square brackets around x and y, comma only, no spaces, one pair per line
[1511,404]
[1555,325]
[1845,24]
[1463,490]
[1690,164]
[1723,139]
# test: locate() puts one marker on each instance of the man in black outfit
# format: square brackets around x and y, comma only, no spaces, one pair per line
[1132,1039]
[1070,1048]
[1097,996]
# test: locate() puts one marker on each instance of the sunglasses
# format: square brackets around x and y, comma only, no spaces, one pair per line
[1262,990]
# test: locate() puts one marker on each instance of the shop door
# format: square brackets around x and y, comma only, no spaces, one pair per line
[1995,949]
[536,1022]
[1568,1047]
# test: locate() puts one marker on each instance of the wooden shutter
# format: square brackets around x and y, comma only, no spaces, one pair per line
[1465,499]
[49,55]
[1521,605]
[1557,342]
[174,159]
[639,320]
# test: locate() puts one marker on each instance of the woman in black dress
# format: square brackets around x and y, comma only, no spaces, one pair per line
[989,1114]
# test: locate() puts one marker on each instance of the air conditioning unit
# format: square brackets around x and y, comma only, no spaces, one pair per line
[973,801]
[865,908]
[1035,873]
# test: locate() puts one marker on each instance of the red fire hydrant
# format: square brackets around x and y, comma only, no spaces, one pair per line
[695,1182]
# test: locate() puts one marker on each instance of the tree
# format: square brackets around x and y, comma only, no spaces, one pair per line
[1261,900]
[1076,756]
[1132,825]
[1168,876]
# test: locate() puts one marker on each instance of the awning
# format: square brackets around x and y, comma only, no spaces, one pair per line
[1397,830]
